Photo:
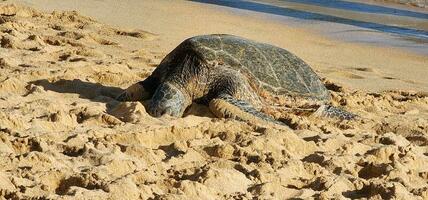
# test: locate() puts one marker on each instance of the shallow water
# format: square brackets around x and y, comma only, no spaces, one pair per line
[385,25]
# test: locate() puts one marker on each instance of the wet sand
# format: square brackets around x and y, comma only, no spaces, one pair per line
[64,136]
[388,26]
[416,3]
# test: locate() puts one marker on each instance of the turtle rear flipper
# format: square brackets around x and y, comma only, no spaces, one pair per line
[334,112]
[226,106]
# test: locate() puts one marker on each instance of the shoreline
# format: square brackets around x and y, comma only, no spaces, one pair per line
[352,22]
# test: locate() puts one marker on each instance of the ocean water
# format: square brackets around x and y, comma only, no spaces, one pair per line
[353,21]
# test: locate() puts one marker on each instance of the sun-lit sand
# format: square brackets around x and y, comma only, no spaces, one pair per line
[63,136]
[416,3]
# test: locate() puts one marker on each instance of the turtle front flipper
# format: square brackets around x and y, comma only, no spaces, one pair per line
[334,112]
[226,106]
[135,92]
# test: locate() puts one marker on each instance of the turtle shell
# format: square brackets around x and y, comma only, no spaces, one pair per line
[271,68]
[268,67]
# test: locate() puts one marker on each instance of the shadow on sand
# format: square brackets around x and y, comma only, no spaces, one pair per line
[87,90]
[96,92]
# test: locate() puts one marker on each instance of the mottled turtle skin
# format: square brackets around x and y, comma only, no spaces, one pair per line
[228,73]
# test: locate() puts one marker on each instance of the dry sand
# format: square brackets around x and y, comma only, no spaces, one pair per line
[63,136]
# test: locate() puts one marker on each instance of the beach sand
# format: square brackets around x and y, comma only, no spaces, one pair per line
[416,3]
[63,136]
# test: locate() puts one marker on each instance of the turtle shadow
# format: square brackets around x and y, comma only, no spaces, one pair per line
[96,92]
[92,91]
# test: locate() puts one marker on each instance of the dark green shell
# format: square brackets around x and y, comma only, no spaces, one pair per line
[272,68]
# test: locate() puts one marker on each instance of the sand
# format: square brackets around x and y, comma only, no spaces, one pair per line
[417,3]
[63,136]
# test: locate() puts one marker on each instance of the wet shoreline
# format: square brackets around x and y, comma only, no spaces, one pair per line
[415,3]
[349,21]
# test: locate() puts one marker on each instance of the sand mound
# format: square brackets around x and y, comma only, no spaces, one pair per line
[63,136]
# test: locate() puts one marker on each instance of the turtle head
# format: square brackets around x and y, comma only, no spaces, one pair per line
[135,92]
[168,99]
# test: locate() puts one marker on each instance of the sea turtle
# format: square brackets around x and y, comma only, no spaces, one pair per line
[232,75]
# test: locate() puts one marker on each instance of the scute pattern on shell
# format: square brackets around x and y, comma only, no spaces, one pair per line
[271,68]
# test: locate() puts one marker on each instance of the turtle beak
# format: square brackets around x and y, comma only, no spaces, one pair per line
[168,99]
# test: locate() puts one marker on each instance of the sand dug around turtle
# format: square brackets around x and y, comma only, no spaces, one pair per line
[63,136]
